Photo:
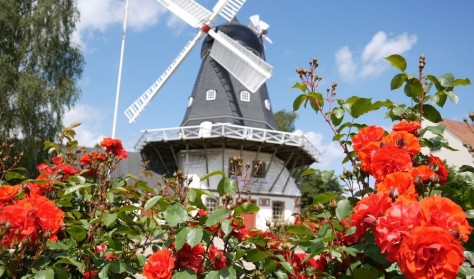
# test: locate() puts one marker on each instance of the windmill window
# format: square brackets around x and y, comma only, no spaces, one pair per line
[245,96]
[210,95]
[278,209]
[190,101]
[259,169]
[235,166]
[211,204]
[267,104]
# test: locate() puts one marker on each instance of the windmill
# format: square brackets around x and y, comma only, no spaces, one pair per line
[224,124]
[251,70]
[260,27]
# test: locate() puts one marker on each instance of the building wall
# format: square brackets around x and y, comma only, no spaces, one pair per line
[276,186]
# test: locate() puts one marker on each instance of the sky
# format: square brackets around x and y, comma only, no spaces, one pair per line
[349,38]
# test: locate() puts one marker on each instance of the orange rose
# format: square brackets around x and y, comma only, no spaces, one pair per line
[411,127]
[403,140]
[444,213]
[440,169]
[430,252]
[399,186]
[367,135]
[160,265]
[422,174]
[7,193]
[389,159]
[115,147]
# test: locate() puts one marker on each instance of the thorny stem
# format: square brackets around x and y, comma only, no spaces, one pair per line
[421,99]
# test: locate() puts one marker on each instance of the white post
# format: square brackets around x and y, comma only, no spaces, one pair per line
[117,93]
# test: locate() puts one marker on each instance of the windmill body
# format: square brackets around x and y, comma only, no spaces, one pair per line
[227,124]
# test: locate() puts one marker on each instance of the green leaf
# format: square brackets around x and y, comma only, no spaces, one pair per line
[184,275]
[470,214]
[255,255]
[430,113]
[214,173]
[45,274]
[103,274]
[227,227]
[77,232]
[343,209]
[464,168]
[212,275]
[337,115]
[195,198]
[228,273]
[360,107]
[175,214]
[308,172]
[297,229]
[109,219]
[397,61]
[300,86]
[151,202]
[366,273]
[461,82]
[325,197]
[118,267]
[316,100]
[446,80]
[298,102]
[13,175]
[246,207]
[75,188]
[181,238]
[216,216]
[413,88]
[227,186]
[397,81]
[194,236]
[280,274]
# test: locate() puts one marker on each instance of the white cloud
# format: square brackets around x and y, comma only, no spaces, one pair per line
[371,61]
[99,15]
[345,63]
[88,133]
[331,153]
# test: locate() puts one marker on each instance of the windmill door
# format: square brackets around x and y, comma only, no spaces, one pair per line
[249,220]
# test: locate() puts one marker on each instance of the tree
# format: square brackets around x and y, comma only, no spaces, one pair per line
[39,67]
[317,183]
[285,120]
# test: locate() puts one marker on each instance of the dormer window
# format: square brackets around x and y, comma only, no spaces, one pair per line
[245,96]
[210,95]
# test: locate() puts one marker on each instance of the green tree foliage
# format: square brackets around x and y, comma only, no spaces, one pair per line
[39,67]
[317,183]
[285,120]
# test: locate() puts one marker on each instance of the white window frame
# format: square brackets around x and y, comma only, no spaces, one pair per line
[245,96]
[211,95]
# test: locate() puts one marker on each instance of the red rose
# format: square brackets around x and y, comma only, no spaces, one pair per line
[366,213]
[115,147]
[394,226]
[422,174]
[217,258]
[191,258]
[90,274]
[430,252]
[160,265]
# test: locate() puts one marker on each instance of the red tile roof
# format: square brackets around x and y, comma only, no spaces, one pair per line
[460,130]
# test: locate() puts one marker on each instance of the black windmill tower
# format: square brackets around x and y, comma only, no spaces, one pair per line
[228,114]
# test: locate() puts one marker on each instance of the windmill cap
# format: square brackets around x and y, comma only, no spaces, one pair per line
[241,33]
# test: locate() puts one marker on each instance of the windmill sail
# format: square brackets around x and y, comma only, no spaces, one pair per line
[248,68]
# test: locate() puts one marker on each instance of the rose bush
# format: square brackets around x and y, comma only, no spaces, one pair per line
[79,220]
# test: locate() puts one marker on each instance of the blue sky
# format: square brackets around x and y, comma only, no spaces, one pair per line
[349,38]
